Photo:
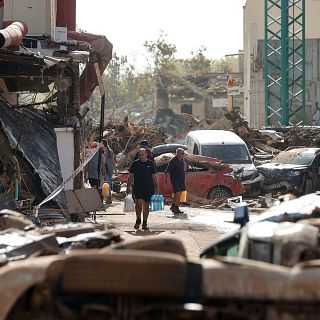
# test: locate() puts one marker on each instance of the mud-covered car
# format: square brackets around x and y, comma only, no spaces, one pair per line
[295,170]
[206,177]
[286,234]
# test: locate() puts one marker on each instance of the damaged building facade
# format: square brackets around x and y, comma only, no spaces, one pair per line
[48,71]
[204,96]
[254,84]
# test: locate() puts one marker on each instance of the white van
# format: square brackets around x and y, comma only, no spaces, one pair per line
[229,148]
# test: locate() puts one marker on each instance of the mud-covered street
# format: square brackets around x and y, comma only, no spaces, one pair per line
[196,228]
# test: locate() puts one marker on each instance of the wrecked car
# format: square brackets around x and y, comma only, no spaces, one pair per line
[229,148]
[206,177]
[294,170]
[285,234]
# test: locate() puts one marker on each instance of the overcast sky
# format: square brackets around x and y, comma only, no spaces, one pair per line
[189,24]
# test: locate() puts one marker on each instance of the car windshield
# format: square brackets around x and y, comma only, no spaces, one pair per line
[229,154]
[298,158]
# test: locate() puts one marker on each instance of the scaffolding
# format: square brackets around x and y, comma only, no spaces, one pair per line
[284,62]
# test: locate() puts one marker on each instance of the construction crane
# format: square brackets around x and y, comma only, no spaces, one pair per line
[284,62]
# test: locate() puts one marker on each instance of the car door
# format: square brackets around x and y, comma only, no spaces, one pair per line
[164,189]
[199,180]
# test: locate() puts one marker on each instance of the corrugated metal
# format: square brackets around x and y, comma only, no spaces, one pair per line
[66,14]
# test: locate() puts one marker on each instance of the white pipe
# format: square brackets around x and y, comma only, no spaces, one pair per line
[13,34]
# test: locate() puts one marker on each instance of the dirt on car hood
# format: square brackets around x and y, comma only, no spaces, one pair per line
[207,162]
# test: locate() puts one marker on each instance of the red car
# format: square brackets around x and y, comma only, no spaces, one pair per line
[205,177]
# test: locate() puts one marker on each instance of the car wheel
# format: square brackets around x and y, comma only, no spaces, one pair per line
[219,192]
[308,186]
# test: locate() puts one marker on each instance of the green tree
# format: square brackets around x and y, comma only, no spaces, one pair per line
[224,65]
[162,55]
[162,52]
[124,88]
[198,64]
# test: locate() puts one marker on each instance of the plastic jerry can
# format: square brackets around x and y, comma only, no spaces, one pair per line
[105,189]
[183,196]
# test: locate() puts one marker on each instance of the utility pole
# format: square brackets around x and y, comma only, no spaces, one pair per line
[284,62]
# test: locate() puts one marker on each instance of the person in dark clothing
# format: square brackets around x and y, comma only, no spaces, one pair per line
[110,165]
[176,171]
[145,184]
[94,176]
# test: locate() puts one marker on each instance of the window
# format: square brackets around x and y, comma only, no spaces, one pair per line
[186,108]
[196,167]
[316,162]
[228,246]
[230,154]
[195,149]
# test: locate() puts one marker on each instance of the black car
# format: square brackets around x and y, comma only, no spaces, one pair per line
[167,148]
[295,170]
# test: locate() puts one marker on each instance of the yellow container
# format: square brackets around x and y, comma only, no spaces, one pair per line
[105,189]
[183,196]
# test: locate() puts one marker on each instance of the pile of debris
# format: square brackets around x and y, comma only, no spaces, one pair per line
[302,136]
[258,143]
[20,238]
[124,139]
[176,126]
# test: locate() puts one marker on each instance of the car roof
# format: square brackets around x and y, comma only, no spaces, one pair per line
[216,137]
[170,146]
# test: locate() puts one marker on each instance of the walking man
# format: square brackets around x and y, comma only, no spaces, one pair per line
[177,176]
[144,180]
